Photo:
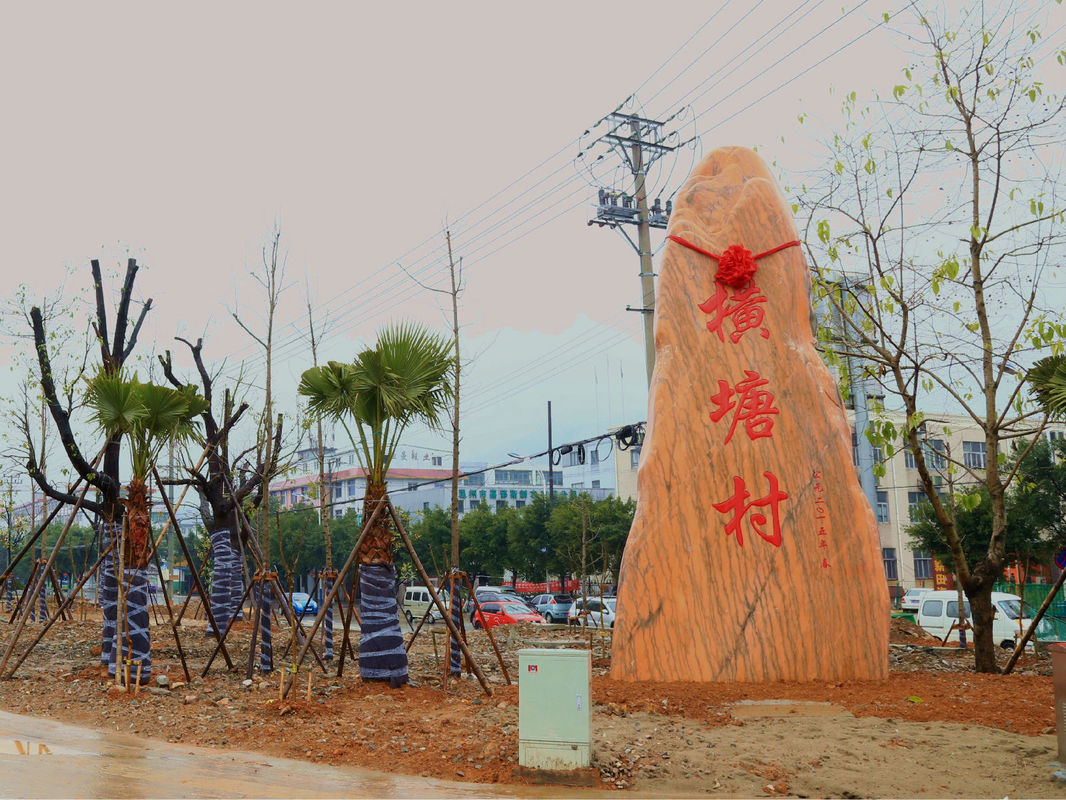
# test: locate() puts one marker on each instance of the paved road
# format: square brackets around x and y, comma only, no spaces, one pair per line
[44,758]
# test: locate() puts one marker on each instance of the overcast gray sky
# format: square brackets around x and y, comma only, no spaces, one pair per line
[182,134]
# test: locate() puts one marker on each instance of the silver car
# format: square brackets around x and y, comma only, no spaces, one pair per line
[553,607]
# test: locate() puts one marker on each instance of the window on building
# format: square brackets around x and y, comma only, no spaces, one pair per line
[501,504]
[888,555]
[460,506]
[923,566]
[634,457]
[475,480]
[934,451]
[1056,436]
[854,448]
[937,454]
[520,504]
[911,461]
[438,461]
[517,477]
[882,508]
[557,478]
[425,506]
[915,499]
[595,484]
[973,454]
[412,486]
[578,485]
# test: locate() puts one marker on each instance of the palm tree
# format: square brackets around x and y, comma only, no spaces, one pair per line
[1047,379]
[149,416]
[402,379]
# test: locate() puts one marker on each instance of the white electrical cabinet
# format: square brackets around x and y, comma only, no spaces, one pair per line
[554,718]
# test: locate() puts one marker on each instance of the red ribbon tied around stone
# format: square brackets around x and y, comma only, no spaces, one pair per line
[736,264]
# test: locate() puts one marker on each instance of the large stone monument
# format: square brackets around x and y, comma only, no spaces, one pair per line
[754,555]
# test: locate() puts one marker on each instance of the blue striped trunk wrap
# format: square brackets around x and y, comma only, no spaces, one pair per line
[382,656]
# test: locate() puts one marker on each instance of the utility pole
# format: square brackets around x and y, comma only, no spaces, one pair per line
[639,142]
[551,471]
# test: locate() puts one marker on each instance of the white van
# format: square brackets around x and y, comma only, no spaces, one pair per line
[417,599]
[939,609]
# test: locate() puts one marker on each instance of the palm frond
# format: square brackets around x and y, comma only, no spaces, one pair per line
[1047,380]
[114,402]
[403,378]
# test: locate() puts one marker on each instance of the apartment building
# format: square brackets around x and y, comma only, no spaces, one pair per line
[418,480]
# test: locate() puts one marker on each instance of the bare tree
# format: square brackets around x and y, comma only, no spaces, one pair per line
[222,488]
[271,278]
[116,347]
[930,232]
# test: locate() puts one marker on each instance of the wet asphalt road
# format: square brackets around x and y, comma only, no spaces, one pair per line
[44,758]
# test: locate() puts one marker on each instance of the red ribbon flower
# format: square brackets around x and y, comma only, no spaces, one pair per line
[736,267]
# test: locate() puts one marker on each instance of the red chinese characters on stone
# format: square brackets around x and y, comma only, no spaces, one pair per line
[743,308]
[750,404]
[740,506]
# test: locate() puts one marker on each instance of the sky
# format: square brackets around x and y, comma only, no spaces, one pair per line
[184,135]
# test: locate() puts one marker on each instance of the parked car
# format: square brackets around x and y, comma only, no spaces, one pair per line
[508,590]
[504,613]
[553,607]
[487,594]
[593,611]
[912,599]
[940,609]
[416,600]
[303,604]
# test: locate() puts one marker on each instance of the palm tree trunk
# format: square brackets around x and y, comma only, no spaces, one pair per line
[225,572]
[139,529]
[382,656]
[135,646]
[377,547]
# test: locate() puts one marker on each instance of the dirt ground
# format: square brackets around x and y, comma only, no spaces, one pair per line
[934,728]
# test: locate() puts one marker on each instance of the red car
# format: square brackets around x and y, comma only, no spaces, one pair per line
[506,612]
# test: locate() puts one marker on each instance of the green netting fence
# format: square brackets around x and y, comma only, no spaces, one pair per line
[1033,596]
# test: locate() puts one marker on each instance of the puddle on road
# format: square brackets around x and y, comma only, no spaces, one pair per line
[95,763]
[19,747]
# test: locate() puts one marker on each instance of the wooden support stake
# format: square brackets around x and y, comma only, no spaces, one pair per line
[332,594]
[204,601]
[310,675]
[137,685]
[54,618]
[436,599]
[492,639]
[51,560]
